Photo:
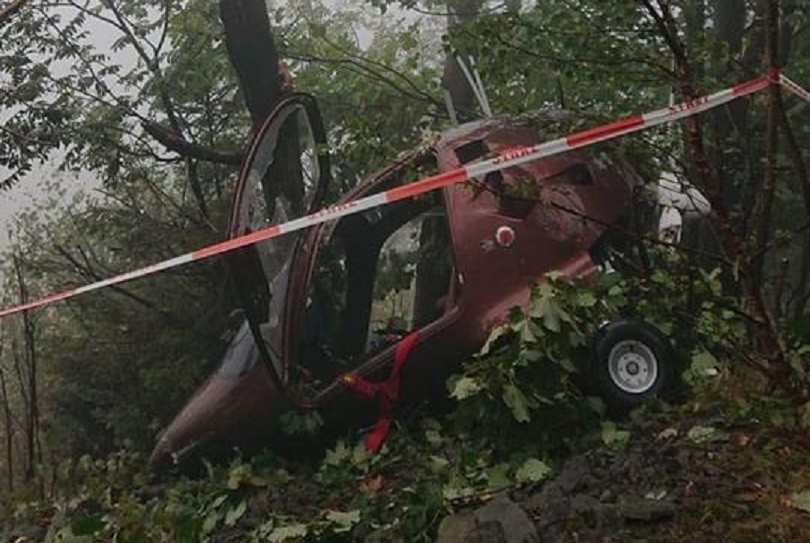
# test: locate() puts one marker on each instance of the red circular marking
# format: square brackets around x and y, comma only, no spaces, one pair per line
[505,236]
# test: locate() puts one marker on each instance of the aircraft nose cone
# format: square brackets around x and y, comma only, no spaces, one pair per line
[236,406]
[161,454]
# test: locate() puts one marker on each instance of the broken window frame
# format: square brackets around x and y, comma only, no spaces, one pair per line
[246,264]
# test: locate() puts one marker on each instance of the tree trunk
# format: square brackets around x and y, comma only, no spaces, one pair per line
[9,429]
[32,411]
[253,54]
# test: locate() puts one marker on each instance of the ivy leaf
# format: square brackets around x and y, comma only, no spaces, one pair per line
[464,388]
[517,403]
[532,471]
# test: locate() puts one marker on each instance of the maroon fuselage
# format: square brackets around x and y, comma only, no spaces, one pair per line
[559,207]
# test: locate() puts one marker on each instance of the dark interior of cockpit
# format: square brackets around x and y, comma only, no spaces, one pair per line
[377,276]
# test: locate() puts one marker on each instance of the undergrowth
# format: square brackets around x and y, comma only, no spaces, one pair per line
[520,409]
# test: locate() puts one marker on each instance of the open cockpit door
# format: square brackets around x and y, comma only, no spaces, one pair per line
[369,280]
[283,177]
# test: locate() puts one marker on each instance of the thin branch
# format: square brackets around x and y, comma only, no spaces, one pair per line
[8,12]
[86,269]
[175,142]
[23,137]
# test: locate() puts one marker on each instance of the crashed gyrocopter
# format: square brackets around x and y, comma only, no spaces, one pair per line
[382,306]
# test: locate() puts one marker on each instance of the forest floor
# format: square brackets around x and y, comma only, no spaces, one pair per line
[695,479]
[724,471]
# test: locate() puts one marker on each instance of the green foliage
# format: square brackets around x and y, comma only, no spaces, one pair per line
[613,437]
[522,388]
[521,383]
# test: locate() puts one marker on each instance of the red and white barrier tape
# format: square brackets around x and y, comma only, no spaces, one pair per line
[511,157]
[793,87]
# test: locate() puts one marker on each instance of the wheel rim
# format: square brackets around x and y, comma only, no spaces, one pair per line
[633,366]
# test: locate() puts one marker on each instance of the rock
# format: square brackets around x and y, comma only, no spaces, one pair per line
[645,509]
[575,473]
[456,528]
[551,501]
[582,504]
[517,528]
[609,519]
[488,532]
[607,496]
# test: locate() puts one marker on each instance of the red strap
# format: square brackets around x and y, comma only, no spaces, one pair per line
[388,391]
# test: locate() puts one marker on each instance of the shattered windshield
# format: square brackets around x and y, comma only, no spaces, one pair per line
[279,184]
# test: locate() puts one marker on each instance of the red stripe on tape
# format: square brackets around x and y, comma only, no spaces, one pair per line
[427,184]
[605,130]
[38,303]
[231,244]
[751,86]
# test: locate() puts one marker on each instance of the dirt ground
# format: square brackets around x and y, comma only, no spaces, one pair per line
[699,480]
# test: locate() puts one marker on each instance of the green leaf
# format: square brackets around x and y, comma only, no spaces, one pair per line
[87,526]
[531,355]
[338,455]
[705,434]
[703,363]
[586,298]
[546,308]
[456,489]
[235,513]
[343,521]
[517,403]
[211,521]
[613,437]
[219,500]
[801,500]
[494,334]
[532,471]
[804,416]
[438,464]
[527,331]
[498,476]
[290,531]
[465,387]
[66,535]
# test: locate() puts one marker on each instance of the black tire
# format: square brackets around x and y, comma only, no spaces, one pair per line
[633,361]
